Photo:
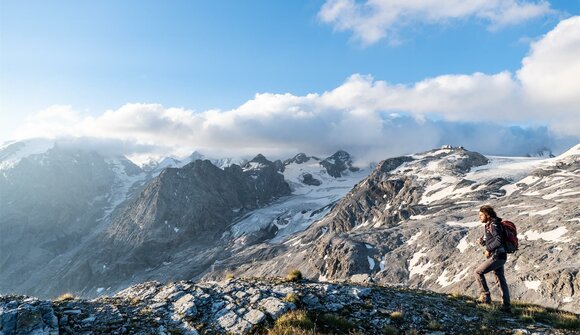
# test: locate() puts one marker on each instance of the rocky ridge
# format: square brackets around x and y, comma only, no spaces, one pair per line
[250,306]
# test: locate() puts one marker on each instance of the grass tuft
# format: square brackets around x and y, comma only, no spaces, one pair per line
[294,275]
[397,316]
[292,297]
[294,322]
[434,325]
[65,297]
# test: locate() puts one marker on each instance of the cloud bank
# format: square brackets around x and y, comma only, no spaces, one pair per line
[373,20]
[372,118]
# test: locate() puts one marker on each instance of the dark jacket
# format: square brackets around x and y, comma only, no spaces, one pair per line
[493,238]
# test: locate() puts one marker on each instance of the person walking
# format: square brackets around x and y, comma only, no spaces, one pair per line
[496,255]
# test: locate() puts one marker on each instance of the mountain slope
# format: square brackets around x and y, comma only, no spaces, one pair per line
[413,222]
[52,198]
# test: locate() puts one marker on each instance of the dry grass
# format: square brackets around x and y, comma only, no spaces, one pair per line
[434,325]
[302,322]
[295,322]
[291,297]
[555,318]
[294,275]
[65,297]
[397,316]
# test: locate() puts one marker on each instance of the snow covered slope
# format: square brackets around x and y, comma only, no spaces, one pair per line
[312,198]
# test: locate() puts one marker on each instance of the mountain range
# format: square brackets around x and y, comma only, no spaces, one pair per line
[75,220]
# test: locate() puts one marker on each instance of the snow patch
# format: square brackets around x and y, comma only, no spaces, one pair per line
[567,299]
[418,217]
[463,244]
[555,235]
[561,193]
[542,212]
[463,224]
[414,268]
[509,189]
[371,263]
[444,281]
[533,284]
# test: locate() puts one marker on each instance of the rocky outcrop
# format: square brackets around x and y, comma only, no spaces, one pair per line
[248,306]
[309,180]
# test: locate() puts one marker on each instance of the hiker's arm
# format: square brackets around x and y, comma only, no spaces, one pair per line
[495,241]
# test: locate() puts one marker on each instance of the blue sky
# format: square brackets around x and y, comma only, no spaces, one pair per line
[201,55]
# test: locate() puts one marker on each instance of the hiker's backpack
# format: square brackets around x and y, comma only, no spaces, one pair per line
[510,237]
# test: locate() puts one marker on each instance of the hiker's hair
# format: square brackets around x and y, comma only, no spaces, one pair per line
[488,210]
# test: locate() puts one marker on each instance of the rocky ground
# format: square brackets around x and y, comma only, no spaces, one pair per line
[252,306]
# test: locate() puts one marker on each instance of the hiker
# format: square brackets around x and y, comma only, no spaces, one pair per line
[496,257]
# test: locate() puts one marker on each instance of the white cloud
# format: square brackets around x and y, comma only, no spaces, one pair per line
[369,117]
[373,20]
[550,73]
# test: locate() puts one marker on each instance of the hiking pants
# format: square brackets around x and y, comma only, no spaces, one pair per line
[495,265]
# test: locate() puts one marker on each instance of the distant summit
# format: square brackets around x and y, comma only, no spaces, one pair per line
[337,164]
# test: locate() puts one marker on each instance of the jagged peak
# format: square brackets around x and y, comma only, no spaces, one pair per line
[340,155]
[261,159]
[300,159]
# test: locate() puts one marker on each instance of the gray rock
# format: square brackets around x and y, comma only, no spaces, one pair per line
[185,306]
[228,320]
[274,307]
[254,316]
[311,301]
[31,316]
[308,179]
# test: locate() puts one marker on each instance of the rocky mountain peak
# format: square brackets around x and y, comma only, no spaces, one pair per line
[257,163]
[337,164]
[299,159]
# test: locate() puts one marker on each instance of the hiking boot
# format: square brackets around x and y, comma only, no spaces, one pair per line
[506,309]
[484,298]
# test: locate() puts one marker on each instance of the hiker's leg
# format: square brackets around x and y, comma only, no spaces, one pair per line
[502,283]
[480,272]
